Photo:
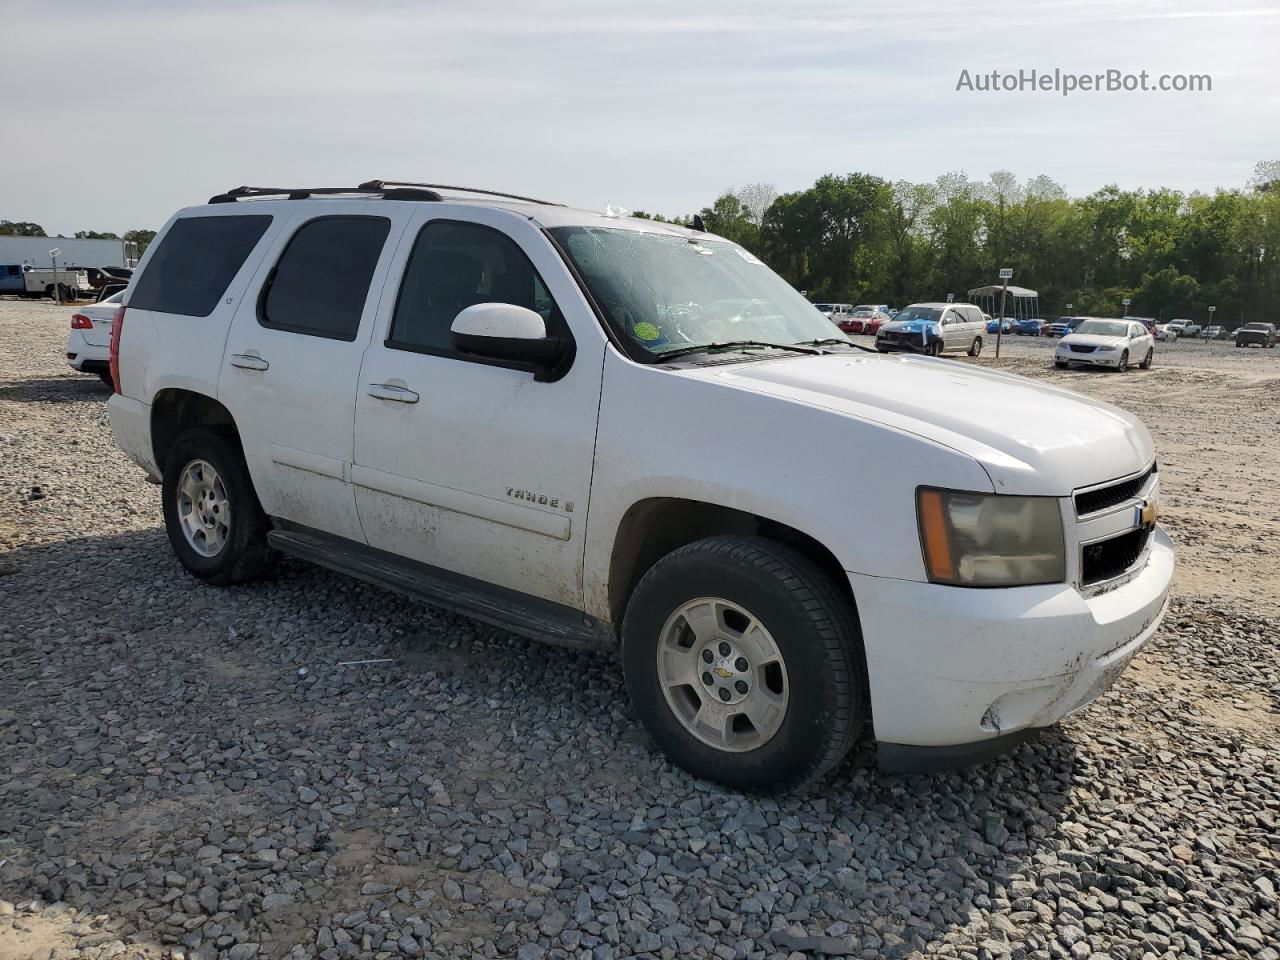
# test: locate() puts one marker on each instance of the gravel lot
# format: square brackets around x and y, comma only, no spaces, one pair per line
[197,772]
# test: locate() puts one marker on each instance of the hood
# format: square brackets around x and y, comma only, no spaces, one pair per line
[1093,340]
[1030,438]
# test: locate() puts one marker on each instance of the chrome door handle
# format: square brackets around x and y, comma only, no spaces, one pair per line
[390,391]
[248,361]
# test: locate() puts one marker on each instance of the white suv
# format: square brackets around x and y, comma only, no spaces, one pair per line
[630,436]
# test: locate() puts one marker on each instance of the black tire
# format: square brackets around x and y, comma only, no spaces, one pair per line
[935,349]
[1146,364]
[245,555]
[106,378]
[1060,364]
[880,349]
[51,292]
[1123,365]
[975,348]
[814,627]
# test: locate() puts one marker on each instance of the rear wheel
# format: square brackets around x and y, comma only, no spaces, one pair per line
[975,348]
[1146,363]
[211,512]
[745,663]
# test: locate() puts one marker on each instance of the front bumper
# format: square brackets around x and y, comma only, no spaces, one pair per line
[912,345]
[1094,359]
[953,666]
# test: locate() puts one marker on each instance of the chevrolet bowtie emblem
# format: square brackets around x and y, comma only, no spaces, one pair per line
[1146,514]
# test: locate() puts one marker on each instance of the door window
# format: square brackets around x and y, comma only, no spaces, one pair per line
[320,283]
[454,266]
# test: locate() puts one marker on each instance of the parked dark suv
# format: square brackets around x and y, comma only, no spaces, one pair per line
[1256,334]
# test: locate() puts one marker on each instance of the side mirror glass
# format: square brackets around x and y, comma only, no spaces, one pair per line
[504,331]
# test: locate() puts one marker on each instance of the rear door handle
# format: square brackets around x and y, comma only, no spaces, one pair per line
[248,361]
[391,391]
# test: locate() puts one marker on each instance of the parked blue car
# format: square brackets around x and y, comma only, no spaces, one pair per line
[993,326]
[1029,327]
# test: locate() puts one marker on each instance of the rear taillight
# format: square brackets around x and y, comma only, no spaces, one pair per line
[80,322]
[117,324]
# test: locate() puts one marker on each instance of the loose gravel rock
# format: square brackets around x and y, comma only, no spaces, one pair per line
[190,772]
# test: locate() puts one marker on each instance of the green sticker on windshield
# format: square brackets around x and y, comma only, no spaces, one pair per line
[646,331]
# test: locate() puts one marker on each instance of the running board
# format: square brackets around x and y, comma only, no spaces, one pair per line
[498,606]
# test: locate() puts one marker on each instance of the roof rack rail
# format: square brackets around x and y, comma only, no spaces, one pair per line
[385,184]
[301,193]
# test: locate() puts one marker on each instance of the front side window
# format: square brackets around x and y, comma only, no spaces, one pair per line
[320,283]
[662,292]
[456,265]
[195,263]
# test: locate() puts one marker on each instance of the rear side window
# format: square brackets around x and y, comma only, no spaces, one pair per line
[195,263]
[320,284]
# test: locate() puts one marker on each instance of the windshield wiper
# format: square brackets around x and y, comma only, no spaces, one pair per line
[736,345]
[835,341]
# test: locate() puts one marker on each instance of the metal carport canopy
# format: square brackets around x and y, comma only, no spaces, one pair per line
[994,291]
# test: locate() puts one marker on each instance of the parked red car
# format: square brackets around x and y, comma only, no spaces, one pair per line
[863,321]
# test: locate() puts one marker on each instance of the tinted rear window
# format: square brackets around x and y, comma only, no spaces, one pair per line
[195,262]
[322,279]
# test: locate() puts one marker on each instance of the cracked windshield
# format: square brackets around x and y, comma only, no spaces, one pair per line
[667,294]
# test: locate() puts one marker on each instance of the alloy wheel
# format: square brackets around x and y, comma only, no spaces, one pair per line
[722,674]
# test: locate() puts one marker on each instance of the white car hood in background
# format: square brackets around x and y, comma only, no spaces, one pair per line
[1030,438]
[1093,340]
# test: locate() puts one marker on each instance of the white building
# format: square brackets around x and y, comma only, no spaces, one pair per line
[75,253]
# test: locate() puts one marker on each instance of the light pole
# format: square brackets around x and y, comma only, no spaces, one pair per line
[1006,274]
[57,288]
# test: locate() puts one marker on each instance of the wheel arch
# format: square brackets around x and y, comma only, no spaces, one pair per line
[652,528]
[175,410]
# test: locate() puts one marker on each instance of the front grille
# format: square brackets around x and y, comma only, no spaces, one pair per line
[1082,348]
[1091,501]
[1110,558]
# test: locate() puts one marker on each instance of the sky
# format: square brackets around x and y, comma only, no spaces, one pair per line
[658,105]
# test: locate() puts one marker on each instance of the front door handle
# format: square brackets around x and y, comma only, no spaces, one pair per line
[391,391]
[248,361]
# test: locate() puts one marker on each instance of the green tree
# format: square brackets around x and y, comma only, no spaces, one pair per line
[142,238]
[95,235]
[9,228]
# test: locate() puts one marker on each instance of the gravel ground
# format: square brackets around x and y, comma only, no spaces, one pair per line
[197,772]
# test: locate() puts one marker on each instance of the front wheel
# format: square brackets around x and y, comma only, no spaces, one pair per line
[211,512]
[975,348]
[935,349]
[744,663]
[1146,363]
[1060,364]
[1123,365]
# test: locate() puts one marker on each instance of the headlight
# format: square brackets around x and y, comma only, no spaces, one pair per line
[990,540]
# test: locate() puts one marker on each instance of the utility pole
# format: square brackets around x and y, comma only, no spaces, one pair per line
[1006,274]
[57,287]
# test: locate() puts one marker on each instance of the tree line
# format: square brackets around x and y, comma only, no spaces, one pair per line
[857,238]
[11,228]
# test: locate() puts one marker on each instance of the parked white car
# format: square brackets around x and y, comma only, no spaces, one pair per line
[488,403]
[89,342]
[1115,344]
[1162,331]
